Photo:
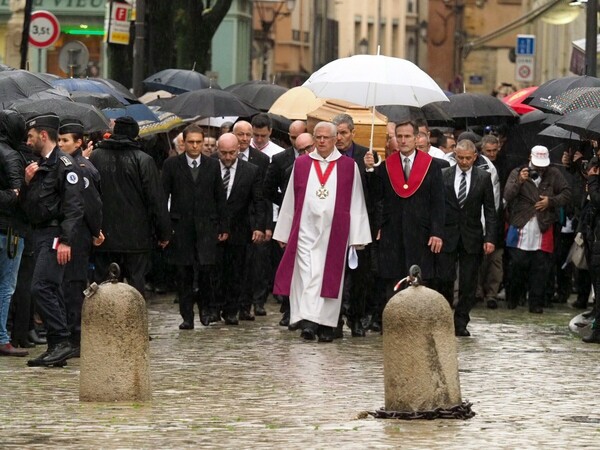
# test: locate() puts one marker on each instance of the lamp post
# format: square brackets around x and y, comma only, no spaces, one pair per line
[268,12]
[591,31]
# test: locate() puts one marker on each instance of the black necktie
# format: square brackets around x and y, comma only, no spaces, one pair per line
[194,164]
[226,180]
[462,190]
[406,168]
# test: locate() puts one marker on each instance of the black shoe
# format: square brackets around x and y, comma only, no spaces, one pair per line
[76,353]
[308,334]
[580,304]
[375,326]
[462,332]
[55,356]
[205,319]
[285,320]
[259,310]
[536,309]
[185,325]
[357,329]
[245,315]
[33,337]
[213,318]
[295,326]
[491,303]
[593,338]
[325,333]
[231,320]
[176,299]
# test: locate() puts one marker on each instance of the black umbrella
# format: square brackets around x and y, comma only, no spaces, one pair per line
[259,93]
[19,84]
[116,86]
[469,109]
[208,103]
[585,122]
[90,116]
[556,132]
[178,81]
[536,116]
[546,92]
[574,99]
[434,114]
[99,99]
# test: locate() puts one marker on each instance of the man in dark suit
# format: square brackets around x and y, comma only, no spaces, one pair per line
[197,211]
[468,189]
[411,225]
[276,181]
[257,263]
[245,209]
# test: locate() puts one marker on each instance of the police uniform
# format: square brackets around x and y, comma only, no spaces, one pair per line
[76,270]
[53,203]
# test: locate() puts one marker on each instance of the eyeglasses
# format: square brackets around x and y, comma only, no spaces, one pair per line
[305,149]
[323,138]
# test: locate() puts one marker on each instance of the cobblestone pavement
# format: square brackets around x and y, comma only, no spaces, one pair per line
[532,385]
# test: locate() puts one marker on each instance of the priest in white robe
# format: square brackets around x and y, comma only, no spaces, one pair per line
[323,214]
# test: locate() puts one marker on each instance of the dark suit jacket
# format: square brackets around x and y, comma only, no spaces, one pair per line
[407,223]
[197,210]
[262,161]
[278,175]
[245,206]
[465,223]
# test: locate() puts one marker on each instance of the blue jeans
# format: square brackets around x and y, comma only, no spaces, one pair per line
[9,268]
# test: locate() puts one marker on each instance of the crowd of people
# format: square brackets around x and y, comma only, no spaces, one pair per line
[320,222]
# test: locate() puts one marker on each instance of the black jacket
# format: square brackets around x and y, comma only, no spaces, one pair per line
[134,208]
[12,170]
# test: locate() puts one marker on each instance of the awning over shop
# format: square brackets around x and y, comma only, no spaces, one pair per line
[577,65]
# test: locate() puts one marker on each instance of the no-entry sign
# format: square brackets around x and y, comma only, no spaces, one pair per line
[43,29]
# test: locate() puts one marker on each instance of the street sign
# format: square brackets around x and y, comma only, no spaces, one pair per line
[119,22]
[44,29]
[525,58]
[525,44]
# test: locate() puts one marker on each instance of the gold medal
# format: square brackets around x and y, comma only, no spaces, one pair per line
[322,192]
[405,186]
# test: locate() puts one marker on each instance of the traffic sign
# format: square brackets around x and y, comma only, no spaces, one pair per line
[524,68]
[44,29]
[525,44]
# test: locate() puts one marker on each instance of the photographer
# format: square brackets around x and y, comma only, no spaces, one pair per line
[533,195]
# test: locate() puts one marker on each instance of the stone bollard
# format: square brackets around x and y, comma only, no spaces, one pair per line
[419,352]
[114,345]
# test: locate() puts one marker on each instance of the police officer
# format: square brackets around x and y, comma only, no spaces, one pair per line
[53,203]
[87,232]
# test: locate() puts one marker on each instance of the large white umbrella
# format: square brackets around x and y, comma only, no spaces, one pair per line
[373,80]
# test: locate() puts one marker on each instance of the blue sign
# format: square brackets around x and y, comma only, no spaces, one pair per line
[525,44]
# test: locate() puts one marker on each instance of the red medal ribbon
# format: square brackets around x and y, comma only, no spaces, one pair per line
[395,172]
[323,177]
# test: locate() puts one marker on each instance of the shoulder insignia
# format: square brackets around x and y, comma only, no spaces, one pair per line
[86,182]
[81,165]
[66,161]
[72,178]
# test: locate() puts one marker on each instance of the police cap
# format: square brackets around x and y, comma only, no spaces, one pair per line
[71,126]
[45,120]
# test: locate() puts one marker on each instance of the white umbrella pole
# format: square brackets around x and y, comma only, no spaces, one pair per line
[373,117]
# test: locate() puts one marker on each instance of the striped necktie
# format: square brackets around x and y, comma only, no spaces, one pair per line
[226,178]
[462,189]
[406,168]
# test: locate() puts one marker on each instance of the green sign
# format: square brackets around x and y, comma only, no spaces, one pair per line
[63,7]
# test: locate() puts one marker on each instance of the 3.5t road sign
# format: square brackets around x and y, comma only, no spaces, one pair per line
[43,29]
[524,62]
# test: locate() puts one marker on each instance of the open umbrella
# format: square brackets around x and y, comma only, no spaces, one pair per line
[434,114]
[91,117]
[259,93]
[469,109]
[19,84]
[585,122]
[296,103]
[208,103]
[574,99]
[154,95]
[556,132]
[139,112]
[113,84]
[515,100]
[82,84]
[178,81]
[165,122]
[546,92]
[100,100]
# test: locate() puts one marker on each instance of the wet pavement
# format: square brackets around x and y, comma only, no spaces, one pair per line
[257,385]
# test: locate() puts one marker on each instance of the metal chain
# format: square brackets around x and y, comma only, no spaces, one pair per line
[462,411]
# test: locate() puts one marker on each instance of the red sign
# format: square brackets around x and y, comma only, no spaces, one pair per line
[44,29]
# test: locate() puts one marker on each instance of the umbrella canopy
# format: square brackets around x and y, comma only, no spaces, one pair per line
[178,81]
[515,100]
[296,103]
[139,112]
[574,99]
[373,80]
[91,117]
[259,93]
[154,95]
[208,103]
[98,99]
[535,116]
[20,84]
[585,122]
[478,109]
[82,84]
[216,121]
[546,92]
[556,132]
[113,84]
[165,122]
[432,112]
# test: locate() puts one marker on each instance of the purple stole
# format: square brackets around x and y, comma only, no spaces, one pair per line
[338,240]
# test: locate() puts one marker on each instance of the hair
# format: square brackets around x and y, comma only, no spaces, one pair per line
[77,136]
[421,122]
[423,135]
[466,144]
[52,133]
[331,126]
[193,128]
[408,122]
[344,118]
[443,140]
[489,139]
[262,120]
